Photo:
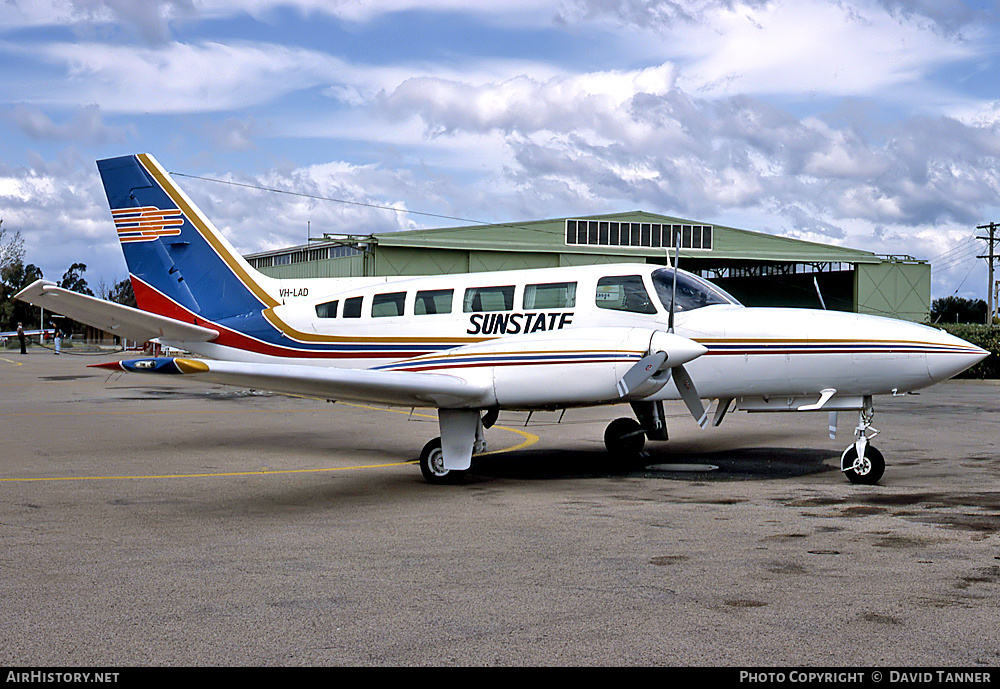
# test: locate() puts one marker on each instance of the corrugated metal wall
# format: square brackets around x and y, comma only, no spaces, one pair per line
[894,289]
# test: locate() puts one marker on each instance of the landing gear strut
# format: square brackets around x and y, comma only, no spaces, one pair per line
[861,462]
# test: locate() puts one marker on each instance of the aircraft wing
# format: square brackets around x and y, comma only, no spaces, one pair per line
[28,333]
[125,321]
[402,388]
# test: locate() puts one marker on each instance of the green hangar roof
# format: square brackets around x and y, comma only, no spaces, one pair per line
[726,243]
[759,269]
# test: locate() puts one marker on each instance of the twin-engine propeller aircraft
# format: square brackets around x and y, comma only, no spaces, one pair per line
[470,345]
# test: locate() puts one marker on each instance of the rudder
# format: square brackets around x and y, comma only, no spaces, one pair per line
[180,264]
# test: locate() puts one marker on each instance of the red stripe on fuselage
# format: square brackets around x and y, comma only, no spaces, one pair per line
[149,299]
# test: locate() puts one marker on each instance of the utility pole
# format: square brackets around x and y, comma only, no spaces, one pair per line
[992,239]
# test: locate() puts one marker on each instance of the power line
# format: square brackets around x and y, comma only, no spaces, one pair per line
[328,198]
[360,203]
[957,260]
[970,241]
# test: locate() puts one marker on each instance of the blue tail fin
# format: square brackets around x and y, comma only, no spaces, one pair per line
[177,259]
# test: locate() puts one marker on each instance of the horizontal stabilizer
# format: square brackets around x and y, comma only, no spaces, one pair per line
[118,319]
[388,387]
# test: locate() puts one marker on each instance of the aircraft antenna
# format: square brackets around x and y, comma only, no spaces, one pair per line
[673,292]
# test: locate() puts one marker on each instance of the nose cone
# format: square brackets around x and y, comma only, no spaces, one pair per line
[950,355]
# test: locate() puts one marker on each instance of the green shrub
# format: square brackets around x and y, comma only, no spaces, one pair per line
[985,336]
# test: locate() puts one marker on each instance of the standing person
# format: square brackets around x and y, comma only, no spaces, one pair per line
[58,340]
[21,338]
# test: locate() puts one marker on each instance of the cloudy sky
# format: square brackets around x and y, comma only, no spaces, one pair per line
[873,124]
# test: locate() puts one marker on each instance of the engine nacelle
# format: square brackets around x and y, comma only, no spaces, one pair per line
[571,367]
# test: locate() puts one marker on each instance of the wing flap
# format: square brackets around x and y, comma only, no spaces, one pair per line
[366,385]
[125,321]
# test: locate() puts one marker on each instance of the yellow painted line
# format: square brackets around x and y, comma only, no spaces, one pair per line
[15,363]
[161,411]
[261,472]
[529,439]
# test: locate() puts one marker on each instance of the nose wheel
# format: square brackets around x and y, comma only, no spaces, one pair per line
[861,462]
[866,468]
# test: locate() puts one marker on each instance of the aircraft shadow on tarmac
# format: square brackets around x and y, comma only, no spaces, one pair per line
[730,465]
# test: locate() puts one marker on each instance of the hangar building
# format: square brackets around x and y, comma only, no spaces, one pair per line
[758,269]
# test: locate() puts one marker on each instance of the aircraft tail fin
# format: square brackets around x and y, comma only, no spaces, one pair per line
[179,263]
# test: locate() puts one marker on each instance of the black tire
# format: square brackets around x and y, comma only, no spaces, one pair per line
[624,438]
[432,465]
[871,472]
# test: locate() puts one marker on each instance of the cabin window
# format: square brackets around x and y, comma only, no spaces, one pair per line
[556,295]
[389,304]
[624,293]
[433,301]
[488,299]
[352,307]
[327,309]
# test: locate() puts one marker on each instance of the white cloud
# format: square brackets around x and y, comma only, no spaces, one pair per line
[181,77]
[809,48]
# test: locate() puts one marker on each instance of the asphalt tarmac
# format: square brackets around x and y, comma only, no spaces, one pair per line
[156,522]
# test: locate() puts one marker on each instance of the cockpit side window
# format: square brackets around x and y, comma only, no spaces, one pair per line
[623,293]
[693,292]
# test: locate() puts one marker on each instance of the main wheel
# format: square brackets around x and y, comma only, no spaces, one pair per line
[624,438]
[432,465]
[869,470]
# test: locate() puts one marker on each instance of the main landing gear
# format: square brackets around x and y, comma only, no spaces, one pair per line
[465,429]
[861,462]
[432,465]
[625,438]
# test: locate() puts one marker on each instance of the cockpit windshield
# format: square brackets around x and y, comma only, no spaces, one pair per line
[693,292]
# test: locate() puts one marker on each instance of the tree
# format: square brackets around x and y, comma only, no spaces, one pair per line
[74,281]
[14,276]
[958,310]
[122,293]
[11,249]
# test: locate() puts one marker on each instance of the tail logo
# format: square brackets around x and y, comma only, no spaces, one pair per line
[146,224]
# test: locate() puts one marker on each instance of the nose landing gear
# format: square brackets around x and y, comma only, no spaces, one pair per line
[861,462]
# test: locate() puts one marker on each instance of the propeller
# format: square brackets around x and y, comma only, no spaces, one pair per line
[682,379]
[668,351]
[667,347]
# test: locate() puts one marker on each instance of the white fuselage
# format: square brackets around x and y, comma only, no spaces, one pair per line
[413,324]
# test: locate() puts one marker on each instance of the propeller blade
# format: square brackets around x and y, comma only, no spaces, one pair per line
[641,371]
[689,394]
